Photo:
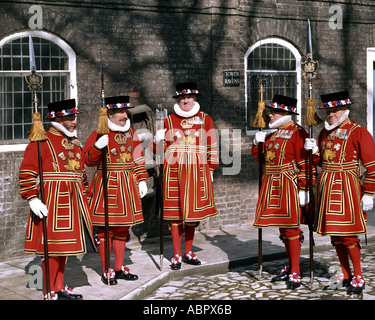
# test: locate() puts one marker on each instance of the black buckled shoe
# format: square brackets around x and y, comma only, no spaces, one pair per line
[283,276]
[67,294]
[191,258]
[112,278]
[125,274]
[176,262]
[294,281]
[356,285]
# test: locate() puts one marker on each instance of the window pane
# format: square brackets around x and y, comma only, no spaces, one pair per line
[18,84]
[18,132]
[6,50]
[16,48]
[7,64]
[27,115]
[17,100]
[18,116]
[26,131]
[16,64]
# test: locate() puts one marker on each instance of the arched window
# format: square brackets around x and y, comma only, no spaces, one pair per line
[54,59]
[275,64]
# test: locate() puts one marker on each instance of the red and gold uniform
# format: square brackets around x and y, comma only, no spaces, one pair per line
[284,179]
[126,168]
[339,189]
[125,174]
[65,195]
[285,174]
[343,146]
[65,208]
[191,156]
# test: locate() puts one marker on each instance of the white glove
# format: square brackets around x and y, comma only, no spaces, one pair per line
[367,202]
[310,144]
[260,136]
[39,208]
[304,198]
[142,188]
[160,135]
[102,141]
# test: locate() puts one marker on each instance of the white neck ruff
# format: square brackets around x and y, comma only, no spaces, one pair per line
[62,129]
[187,114]
[279,122]
[330,127]
[115,127]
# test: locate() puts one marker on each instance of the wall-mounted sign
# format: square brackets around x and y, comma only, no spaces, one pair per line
[231,78]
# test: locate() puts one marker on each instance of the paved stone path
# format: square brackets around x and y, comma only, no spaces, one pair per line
[244,283]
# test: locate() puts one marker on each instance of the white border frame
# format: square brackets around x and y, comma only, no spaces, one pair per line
[297,56]
[72,69]
[370,91]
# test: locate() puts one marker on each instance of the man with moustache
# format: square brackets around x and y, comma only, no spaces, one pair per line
[191,156]
[284,187]
[342,201]
[126,184]
[66,209]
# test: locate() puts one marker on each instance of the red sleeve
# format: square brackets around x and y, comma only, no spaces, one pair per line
[139,160]
[366,147]
[28,173]
[302,158]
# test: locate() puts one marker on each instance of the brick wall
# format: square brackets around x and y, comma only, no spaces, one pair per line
[148,47]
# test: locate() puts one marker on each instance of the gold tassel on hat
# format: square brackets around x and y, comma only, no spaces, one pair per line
[260,119]
[103,121]
[37,132]
[312,117]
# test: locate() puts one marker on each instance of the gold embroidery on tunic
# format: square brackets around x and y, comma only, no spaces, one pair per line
[67,144]
[124,157]
[270,155]
[329,155]
[186,124]
[121,138]
[72,165]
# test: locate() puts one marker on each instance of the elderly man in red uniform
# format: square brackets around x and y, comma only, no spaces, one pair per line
[66,210]
[191,157]
[341,200]
[126,184]
[284,186]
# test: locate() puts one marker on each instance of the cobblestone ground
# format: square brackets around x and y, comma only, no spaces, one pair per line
[244,283]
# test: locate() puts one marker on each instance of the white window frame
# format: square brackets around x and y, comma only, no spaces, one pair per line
[71,69]
[297,56]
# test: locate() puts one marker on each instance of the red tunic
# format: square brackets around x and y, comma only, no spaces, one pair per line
[125,169]
[339,185]
[285,173]
[65,196]
[191,156]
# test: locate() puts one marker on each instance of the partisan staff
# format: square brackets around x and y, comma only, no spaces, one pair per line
[160,116]
[309,67]
[260,121]
[38,134]
[102,130]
